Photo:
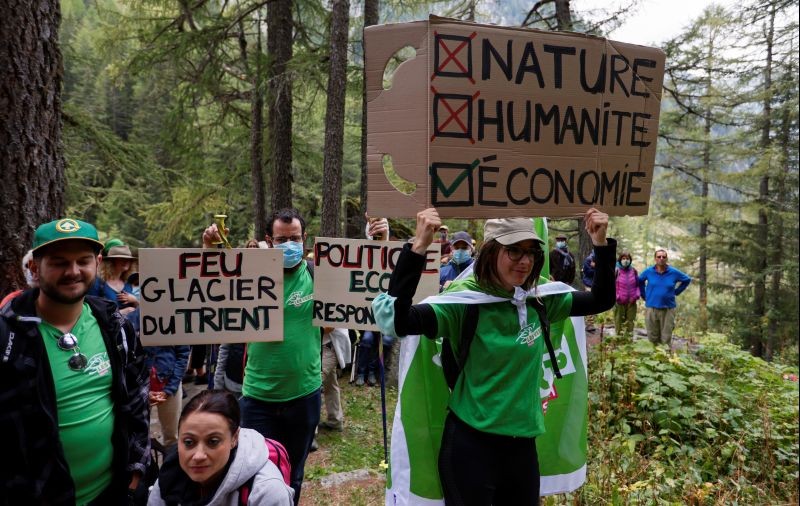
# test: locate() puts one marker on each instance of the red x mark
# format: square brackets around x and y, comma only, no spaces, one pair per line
[452,56]
[454,115]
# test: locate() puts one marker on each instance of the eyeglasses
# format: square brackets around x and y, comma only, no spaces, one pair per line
[661,256]
[68,342]
[281,240]
[515,253]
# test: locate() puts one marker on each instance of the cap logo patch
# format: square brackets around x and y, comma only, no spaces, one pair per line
[67,226]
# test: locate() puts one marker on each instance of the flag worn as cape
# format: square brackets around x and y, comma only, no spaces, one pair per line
[422,407]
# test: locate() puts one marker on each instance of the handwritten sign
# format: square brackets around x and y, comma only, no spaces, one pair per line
[202,296]
[494,122]
[350,273]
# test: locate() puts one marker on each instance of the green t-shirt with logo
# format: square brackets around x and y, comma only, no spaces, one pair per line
[85,408]
[498,389]
[289,369]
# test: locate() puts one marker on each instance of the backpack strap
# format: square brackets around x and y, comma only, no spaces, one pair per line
[244,491]
[451,365]
[538,305]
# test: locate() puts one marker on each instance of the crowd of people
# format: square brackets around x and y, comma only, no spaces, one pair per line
[77,386]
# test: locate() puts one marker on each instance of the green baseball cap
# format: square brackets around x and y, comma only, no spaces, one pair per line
[64,229]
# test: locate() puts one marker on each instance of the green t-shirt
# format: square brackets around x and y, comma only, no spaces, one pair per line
[498,390]
[85,408]
[290,369]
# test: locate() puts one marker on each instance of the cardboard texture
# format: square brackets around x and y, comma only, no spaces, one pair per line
[349,273]
[204,296]
[498,122]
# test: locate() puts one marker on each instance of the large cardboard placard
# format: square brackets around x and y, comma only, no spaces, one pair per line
[350,273]
[495,122]
[203,296]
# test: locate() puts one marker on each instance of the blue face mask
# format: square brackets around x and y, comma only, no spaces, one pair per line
[625,263]
[460,256]
[561,244]
[292,253]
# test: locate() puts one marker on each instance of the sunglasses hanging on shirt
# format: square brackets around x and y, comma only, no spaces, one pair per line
[68,342]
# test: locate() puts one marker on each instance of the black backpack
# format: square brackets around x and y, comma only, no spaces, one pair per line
[452,367]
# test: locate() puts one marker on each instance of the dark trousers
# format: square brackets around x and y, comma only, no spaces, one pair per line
[481,469]
[292,423]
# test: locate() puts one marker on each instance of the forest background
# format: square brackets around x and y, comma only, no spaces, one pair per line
[167,112]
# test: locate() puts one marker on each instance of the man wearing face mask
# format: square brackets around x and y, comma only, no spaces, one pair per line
[460,258]
[562,261]
[281,390]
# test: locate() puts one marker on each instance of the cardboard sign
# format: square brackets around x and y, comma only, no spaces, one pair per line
[492,122]
[203,296]
[349,273]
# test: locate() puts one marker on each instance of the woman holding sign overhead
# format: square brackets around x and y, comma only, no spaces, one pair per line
[492,321]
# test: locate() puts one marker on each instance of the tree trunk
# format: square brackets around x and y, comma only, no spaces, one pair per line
[776,242]
[762,230]
[257,142]
[279,47]
[334,120]
[31,157]
[563,16]
[702,270]
[371,8]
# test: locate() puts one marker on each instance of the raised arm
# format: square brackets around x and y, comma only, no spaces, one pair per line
[603,294]
[393,310]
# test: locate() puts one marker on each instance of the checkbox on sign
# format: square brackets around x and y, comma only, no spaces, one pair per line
[452,56]
[452,180]
[452,115]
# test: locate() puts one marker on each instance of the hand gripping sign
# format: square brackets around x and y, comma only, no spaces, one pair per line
[494,122]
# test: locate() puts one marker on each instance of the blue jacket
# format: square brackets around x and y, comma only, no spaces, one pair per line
[660,289]
[170,363]
[587,273]
[451,271]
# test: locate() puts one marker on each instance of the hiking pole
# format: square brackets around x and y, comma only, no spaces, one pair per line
[354,363]
[384,465]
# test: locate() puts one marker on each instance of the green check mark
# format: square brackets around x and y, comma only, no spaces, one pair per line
[449,190]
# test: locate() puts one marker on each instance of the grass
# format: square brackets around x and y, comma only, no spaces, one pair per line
[358,447]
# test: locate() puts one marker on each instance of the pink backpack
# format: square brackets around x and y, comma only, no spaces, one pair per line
[280,457]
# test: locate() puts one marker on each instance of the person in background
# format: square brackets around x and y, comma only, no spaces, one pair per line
[488,451]
[216,459]
[196,373]
[229,373]
[368,366]
[444,241]
[166,365]
[335,352]
[27,259]
[627,295]
[461,250]
[562,261]
[73,394]
[659,285]
[114,282]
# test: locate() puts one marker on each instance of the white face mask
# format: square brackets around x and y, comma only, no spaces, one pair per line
[625,262]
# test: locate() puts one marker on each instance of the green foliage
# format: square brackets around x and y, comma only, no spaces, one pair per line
[714,426]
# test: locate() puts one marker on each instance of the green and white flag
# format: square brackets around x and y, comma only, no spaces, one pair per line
[422,405]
